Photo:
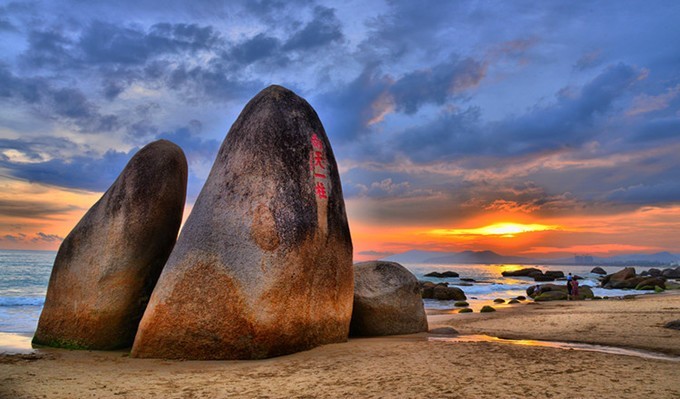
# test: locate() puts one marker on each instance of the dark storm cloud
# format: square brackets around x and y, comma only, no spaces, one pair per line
[323,29]
[103,42]
[256,48]
[67,104]
[437,84]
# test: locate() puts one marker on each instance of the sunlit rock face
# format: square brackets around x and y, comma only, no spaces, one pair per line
[107,266]
[263,266]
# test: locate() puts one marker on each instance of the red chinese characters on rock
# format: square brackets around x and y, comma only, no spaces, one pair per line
[317,163]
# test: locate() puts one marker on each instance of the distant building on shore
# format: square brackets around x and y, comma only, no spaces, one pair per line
[583,259]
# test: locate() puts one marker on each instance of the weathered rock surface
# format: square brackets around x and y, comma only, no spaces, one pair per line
[108,265]
[387,300]
[263,266]
[598,270]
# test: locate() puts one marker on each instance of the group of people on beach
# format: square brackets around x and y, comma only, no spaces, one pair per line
[572,287]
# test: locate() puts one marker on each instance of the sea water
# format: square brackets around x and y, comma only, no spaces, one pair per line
[24,276]
[23,283]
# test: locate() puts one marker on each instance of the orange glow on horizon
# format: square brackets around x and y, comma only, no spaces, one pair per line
[505,230]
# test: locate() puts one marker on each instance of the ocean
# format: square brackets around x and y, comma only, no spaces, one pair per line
[24,276]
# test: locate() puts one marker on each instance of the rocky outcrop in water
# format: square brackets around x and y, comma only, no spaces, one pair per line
[108,265]
[387,300]
[263,266]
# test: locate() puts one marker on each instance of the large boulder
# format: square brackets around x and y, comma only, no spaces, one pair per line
[263,266]
[387,300]
[109,263]
[648,283]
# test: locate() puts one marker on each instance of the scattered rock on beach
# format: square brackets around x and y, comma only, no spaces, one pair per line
[444,331]
[598,270]
[387,300]
[465,310]
[513,301]
[461,304]
[487,309]
[263,266]
[499,300]
[108,265]
[554,273]
[675,325]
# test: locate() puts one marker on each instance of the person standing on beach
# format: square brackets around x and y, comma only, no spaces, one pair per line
[569,286]
[574,288]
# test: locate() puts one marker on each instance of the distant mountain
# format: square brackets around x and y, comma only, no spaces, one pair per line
[478,257]
[417,256]
[414,256]
[663,257]
[490,257]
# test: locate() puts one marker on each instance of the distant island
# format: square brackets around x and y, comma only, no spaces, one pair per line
[490,257]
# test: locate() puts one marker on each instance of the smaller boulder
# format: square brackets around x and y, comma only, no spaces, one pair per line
[598,270]
[387,300]
[443,331]
[465,310]
[513,301]
[651,282]
[487,309]
[671,273]
[434,274]
[554,273]
[469,280]
[499,300]
[450,274]
[461,304]
[521,298]
[654,272]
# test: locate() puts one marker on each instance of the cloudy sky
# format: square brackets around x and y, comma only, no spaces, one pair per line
[560,119]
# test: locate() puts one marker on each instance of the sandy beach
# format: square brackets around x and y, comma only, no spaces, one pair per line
[414,366]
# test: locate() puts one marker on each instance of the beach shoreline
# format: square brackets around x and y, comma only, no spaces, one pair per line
[399,366]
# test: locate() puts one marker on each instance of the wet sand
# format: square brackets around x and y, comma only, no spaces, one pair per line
[398,367]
